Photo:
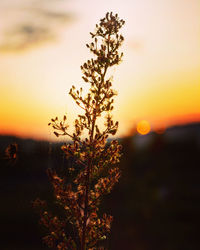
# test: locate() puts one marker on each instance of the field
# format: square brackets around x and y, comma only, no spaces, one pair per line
[155,205]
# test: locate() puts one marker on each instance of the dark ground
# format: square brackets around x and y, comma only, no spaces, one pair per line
[155,205]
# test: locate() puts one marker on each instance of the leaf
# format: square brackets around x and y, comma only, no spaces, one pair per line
[56,134]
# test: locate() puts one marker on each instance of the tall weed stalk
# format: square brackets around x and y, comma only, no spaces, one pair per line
[94,171]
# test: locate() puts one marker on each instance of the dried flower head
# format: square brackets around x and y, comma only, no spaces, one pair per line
[93,173]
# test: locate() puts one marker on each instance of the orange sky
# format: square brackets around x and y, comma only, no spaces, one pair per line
[42,45]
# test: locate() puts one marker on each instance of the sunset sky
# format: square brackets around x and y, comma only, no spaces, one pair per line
[42,45]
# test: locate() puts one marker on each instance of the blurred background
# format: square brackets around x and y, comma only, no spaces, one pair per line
[42,45]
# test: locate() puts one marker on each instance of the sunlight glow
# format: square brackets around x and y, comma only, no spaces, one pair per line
[158,80]
[143,127]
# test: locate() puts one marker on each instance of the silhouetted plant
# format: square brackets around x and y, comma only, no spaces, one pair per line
[93,173]
[11,153]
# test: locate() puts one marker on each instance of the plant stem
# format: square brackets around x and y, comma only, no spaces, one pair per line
[87,185]
[87,181]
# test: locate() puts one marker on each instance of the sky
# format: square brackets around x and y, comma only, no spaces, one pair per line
[42,45]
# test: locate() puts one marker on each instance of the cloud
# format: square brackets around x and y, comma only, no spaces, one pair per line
[56,16]
[25,36]
[39,22]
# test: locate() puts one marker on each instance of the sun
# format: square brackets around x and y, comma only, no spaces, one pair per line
[143,127]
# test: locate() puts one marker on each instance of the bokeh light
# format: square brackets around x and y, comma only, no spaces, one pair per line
[143,127]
